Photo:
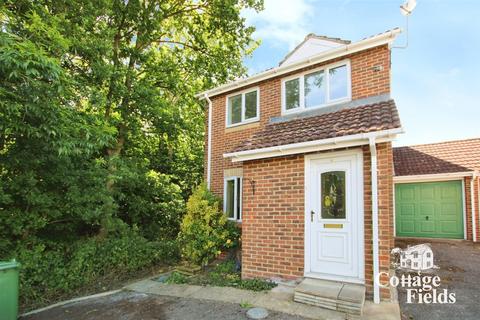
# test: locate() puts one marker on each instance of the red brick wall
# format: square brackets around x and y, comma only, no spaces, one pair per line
[477,203]
[468,207]
[385,212]
[273,217]
[365,82]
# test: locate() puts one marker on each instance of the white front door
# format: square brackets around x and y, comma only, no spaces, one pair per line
[334,216]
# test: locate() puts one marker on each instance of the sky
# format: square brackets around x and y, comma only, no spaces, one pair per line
[435,80]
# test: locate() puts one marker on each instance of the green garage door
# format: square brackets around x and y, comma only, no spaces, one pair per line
[429,209]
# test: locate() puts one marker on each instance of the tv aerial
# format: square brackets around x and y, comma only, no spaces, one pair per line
[406,10]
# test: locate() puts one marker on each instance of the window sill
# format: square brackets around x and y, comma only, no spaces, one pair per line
[238,124]
[242,126]
[301,110]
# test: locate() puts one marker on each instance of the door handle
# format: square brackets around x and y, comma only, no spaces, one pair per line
[426,218]
[312,213]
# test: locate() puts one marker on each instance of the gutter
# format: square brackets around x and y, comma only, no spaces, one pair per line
[383,38]
[209,141]
[313,146]
[374,177]
[432,177]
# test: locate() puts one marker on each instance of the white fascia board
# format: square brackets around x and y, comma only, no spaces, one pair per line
[313,146]
[433,177]
[375,41]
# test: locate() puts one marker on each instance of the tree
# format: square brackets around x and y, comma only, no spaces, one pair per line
[129,71]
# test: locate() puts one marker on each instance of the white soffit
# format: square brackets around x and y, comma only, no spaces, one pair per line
[310,48]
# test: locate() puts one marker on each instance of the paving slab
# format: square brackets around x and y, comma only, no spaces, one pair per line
[352,293]
[381,311]
[225,294]
[173,290]
[271,302]
[313,312]
[141,285]
[323,288]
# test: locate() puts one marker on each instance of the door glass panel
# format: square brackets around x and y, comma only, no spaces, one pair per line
[333,195]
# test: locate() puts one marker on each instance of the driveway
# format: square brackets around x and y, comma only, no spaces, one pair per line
[141,306]
[459,271]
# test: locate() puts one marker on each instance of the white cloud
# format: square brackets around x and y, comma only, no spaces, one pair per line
[284,22]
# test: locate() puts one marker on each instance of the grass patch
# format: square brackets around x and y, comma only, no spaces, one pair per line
[246,305]
[223,274]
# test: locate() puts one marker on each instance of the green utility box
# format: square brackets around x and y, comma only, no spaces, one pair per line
[9,290]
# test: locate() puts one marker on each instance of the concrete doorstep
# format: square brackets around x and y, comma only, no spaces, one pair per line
[278,299]
[333,295]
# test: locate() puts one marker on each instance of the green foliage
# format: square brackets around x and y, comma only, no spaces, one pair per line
[256,284]
[151,202]
[205,230]
[177,278]
[101,134]
[246,305]
[52,269]
[223,274]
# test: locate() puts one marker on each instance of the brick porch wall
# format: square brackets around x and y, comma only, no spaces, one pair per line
[273,217]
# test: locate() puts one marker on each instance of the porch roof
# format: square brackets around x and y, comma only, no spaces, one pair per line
[380,116]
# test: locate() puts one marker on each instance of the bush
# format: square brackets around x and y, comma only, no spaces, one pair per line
[54,269]
[205,230]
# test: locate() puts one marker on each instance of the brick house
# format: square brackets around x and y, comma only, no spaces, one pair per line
[302,156]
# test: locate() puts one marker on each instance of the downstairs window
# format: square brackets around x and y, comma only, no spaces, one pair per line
[232,200]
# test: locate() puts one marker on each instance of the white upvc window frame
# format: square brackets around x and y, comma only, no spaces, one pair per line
[326,73]
[243,121]
[238,183]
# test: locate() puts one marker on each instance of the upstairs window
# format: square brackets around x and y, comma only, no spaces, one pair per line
[314,89]
[243,107]
[232,198]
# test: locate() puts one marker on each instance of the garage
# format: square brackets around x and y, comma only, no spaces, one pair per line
[429,209]
[437,190]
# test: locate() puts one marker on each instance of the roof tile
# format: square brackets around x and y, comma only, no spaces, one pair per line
[435,158]
[362,119]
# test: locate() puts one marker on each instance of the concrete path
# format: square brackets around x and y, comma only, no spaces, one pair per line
[279,299]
